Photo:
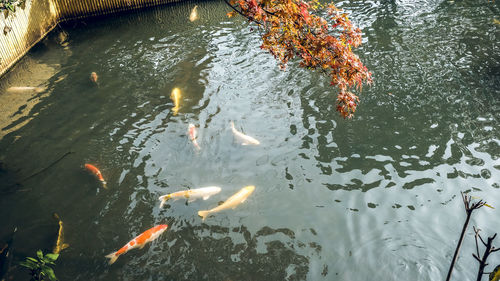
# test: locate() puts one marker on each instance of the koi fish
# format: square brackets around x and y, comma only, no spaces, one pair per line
[139,241]
[193,135]
[97,173]
[194,14]
[93,77]
[175,96]
[192,194]
[60,245]
[25,89]
[246,140]
[233,201]
[496,21]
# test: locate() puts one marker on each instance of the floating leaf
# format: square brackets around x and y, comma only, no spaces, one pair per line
[489,206]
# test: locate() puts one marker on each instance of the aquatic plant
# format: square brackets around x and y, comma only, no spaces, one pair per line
[40,266]
[296,28]
[10,5]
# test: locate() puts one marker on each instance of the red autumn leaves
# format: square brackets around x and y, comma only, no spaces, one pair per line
[293,28]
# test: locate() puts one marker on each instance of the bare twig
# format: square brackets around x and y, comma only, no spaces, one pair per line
[468,210]
[489,249]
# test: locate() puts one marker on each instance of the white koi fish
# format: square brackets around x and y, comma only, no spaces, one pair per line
[245,140]
[139,241]
[233,201]
[193,135]
[191,194]
[194,14]
[25,89]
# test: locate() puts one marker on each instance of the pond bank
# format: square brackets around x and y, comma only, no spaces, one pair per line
[21,30]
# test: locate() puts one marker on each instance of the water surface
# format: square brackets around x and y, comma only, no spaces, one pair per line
[372,198]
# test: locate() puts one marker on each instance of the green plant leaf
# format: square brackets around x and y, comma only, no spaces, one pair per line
[32,260]
[28,265]
[51,275]
[495,275]
[39,254]
[51,257]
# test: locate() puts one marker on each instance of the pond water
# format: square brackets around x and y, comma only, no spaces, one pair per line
[372,198]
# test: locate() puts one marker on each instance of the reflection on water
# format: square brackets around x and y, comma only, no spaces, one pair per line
[372,198]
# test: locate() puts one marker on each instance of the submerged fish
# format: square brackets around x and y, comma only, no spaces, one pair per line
[25,89]
[93,169]
[233,201]
[192,194]
[194,14]
[246,140]
[93,77]
[60,245]
[193,135]
[175,96]
[139,241]
[496,21]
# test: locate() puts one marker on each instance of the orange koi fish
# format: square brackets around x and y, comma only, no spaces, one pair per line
[139,241]
[93,169]
[193,135]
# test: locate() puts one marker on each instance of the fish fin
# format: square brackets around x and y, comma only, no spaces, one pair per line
[243,200]
[104,184]
[206,197]
[203,214]
[142,246]
[112,257]
[232,125]
[245,143]
[191,199]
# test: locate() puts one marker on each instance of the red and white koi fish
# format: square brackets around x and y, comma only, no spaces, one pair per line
[191,194]
[245,140]
[139,241]
[193,135]
[93,169]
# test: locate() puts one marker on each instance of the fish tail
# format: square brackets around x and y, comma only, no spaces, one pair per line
[104,184]
[203,214]
[164,199]
[112,257]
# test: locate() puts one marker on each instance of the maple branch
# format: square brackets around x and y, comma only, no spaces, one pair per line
[239,12]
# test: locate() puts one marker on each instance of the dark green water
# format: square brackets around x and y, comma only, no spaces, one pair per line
[372,198]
